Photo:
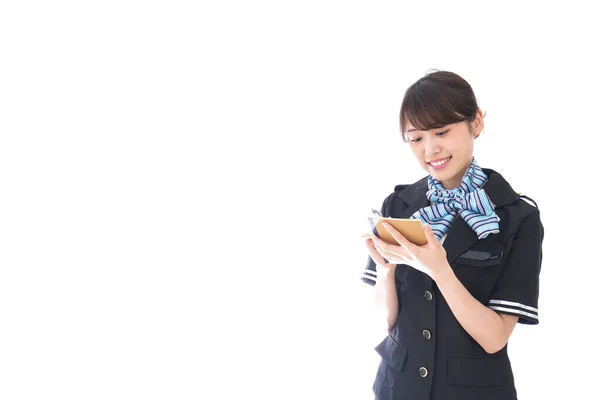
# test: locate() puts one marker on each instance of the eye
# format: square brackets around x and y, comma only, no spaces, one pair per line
[415,140]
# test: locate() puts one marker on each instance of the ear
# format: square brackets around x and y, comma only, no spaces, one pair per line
[477,124]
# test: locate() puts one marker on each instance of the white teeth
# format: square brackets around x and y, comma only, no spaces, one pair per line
[438,163]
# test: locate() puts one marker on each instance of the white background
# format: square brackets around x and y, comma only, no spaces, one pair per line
[183,187]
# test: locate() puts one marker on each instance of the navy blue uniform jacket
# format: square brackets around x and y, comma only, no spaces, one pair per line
[428,354]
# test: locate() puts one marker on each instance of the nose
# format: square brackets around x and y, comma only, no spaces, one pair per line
[431,146]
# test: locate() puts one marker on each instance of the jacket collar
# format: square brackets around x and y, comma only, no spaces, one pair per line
[460,236]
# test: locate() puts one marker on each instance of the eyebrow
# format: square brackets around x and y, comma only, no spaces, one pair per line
[414,129]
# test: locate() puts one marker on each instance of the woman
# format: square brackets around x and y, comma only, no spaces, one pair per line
[452,304]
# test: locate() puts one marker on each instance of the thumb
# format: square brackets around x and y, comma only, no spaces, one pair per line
[429,234]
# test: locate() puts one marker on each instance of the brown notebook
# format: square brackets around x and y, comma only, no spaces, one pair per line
[412,229]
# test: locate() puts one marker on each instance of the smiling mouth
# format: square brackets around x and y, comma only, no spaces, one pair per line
[440,162]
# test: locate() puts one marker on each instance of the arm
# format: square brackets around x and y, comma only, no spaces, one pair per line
[517,289]
[483,324]
[490,329]
[386,298]
[514,298]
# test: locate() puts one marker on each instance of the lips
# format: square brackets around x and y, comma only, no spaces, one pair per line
[439,162]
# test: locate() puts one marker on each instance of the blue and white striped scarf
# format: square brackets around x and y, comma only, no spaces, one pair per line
[469,200]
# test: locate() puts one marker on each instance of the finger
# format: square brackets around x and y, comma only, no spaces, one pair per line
[399,252]
[377,240]
[375,255]
[429,235]
[392,253]
[404,254]
[383,247]
[395,233]
[395,259]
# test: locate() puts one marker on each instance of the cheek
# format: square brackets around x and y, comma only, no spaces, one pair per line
[416,150]
[463,148]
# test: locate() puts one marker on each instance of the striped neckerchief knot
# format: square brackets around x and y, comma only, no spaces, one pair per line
[469,200]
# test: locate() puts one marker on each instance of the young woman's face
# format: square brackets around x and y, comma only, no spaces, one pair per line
[445,153]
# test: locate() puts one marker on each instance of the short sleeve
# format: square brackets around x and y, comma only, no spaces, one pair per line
[369,275]
[517,290]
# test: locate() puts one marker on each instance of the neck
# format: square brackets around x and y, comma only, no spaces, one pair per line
[455,181]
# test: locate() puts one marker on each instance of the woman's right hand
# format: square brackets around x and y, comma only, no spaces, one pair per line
[375,255]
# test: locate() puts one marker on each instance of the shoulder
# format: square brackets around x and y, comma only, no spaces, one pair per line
[403,195]
[406,190]
[401,187]
[502,194]
[391,200]
[396,194]
[528,218]
[517,210]
[525,207]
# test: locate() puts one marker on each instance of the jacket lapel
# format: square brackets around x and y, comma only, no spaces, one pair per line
[460,236]
[415,196]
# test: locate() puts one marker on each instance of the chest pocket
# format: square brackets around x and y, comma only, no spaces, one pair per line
[481,258]
[479,269]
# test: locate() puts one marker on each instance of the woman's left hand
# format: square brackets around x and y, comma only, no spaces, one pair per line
[429,258]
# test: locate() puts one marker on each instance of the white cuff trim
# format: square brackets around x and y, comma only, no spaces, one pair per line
[514,308]
[368,271]
[369,278]
[513,304]
[514,311]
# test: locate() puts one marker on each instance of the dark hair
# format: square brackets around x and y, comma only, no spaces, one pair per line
[439,98]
